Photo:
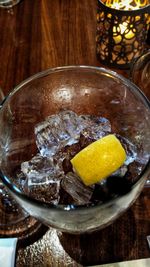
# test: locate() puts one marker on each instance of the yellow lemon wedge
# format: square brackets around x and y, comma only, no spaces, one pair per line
[99,159]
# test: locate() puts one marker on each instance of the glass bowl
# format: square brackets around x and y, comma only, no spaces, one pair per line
[140,72]
[84,90]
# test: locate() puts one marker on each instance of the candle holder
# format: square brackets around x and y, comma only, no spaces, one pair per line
[122,28]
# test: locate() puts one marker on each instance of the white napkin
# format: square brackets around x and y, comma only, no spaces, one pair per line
[7,252]
[133,263]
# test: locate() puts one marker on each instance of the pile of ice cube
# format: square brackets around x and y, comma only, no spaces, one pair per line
[45,175]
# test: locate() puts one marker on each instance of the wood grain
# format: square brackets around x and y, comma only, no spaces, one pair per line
[36,35]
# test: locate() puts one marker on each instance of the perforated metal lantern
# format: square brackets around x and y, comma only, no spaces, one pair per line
[122,28]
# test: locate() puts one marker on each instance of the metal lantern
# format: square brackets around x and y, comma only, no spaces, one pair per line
[122,28]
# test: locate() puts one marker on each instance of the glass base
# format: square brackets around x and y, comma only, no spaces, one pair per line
[8,3]
[14,221]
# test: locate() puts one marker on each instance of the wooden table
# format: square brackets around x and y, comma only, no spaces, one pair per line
[40,34]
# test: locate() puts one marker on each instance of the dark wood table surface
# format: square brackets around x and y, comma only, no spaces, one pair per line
[40,34]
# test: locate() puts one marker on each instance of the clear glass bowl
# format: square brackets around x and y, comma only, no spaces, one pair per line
[140,72]
[140,75]
[85,90]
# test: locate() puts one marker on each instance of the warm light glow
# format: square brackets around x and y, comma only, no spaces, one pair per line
[126,4]
[122,29]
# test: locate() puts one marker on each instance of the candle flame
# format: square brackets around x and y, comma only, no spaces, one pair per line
[123,29]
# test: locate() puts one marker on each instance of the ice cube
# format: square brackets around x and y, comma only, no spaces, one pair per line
[65,128]
[42,178]
[48,192]
[130,148]
[93,133]
[57,128]
[63,156]
[80,193]
[39,170]
[92,120]
[95,127]
[57,131]
[72,124]
[135,168]
[45,140]
[59,157]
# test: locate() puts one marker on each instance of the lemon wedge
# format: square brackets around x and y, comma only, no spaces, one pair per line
[99,159]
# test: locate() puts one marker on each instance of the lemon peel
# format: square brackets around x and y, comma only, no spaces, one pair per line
[99,160]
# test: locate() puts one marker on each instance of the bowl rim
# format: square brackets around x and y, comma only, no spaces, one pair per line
[138,62]
[69,207]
